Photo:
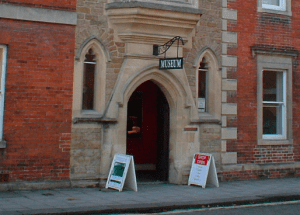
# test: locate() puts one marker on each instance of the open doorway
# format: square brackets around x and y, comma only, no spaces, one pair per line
[148,120]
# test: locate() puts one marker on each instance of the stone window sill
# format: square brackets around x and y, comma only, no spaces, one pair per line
[91,116]
[90,113]
[274,142]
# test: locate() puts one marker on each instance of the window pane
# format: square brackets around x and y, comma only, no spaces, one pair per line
[273,86]
[88,87]
[202,85]
[272,2]
[272,119]
[88,81]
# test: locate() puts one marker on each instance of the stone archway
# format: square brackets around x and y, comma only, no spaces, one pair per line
[182,112]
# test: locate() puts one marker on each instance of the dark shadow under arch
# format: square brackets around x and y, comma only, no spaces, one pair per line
[148,122]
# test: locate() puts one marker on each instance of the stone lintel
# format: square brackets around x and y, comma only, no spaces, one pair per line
[268,49]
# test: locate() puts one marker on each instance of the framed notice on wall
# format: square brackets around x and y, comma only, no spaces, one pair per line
[122,173]
[203,170]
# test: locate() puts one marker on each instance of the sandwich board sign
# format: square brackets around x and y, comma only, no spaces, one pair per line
[203,170]
[122,173]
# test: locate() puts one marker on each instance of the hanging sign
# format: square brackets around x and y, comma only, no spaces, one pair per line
[122,173]
[203,170]
[170,63]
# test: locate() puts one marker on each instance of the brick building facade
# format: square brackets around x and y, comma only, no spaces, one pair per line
[236,96]
[267,97]
[237,54]
[37,59]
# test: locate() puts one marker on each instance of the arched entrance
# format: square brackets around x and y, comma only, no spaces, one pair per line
[182,111]
[148,116]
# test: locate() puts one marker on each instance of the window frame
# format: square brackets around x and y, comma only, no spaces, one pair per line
[283,107]
[2,92]
[99,80]
[206,71]
[266,62]
[281,7]
[213,86]
[85,73]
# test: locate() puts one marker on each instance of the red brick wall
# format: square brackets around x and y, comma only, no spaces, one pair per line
[266,29]
[273,154]
[260,174]
[51,4]
[38,101]
[296,80]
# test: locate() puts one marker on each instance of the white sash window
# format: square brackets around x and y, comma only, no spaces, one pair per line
[274,105]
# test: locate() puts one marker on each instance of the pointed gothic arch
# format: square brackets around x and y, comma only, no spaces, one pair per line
[89,41]
[207,67]
[99,60]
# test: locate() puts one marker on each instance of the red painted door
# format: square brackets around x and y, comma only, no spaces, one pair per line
[142,111]
[148,111]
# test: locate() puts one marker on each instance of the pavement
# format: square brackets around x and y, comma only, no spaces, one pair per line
[150,197]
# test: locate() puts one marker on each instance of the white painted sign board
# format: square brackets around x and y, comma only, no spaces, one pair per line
[203,170]
[122,173]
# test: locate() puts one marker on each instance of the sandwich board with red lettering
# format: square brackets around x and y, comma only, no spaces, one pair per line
[122,173]
[203,170]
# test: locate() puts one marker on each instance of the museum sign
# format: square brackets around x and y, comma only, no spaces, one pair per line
[170,63]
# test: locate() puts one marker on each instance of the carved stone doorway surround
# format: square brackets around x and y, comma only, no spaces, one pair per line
[140,25]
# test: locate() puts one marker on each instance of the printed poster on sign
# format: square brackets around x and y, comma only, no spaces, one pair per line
[122,173]
[203,170]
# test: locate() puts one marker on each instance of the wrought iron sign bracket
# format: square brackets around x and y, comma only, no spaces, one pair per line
[162,49]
